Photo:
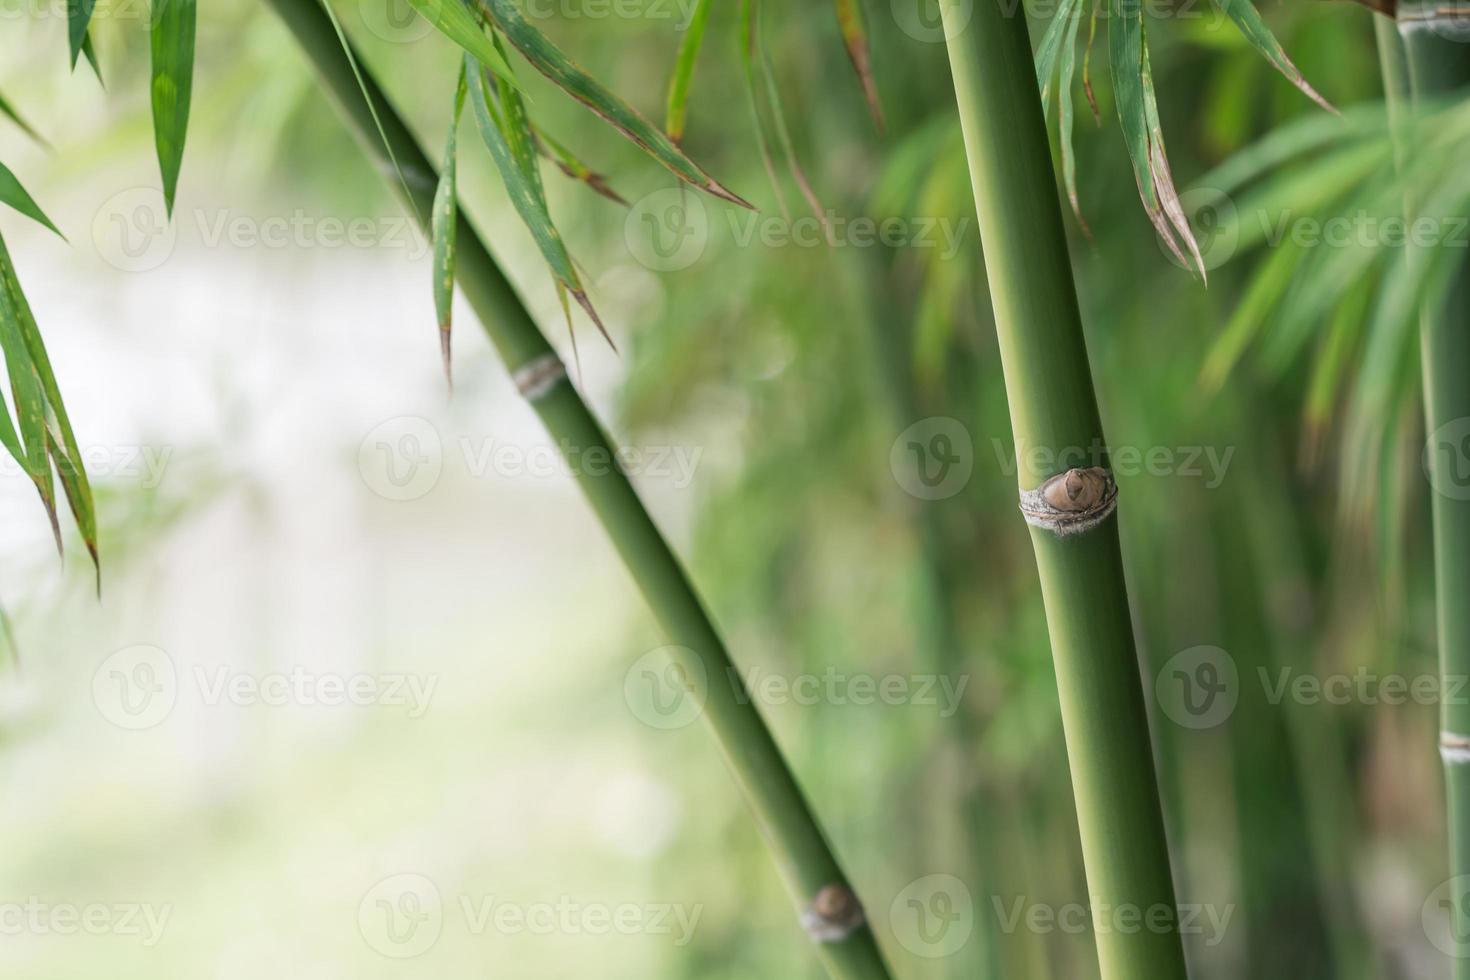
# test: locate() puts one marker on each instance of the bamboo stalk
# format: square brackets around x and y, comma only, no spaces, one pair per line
[808,866]
[1432,47]
[1053,406]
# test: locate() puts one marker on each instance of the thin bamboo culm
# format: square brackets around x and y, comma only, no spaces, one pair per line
[1053,407]
[826,901]
[1427,58]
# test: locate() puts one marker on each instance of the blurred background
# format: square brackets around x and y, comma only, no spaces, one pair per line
[355,699]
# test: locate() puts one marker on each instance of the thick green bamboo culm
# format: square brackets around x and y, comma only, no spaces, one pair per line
[1435,51]
[1053,407]
[803,856]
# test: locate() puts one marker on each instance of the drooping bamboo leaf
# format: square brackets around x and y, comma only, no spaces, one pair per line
[89,51]
[172,44]
[689,45]
[1050,47]
[61,441]
[9,112]
[1248,19]
[1125,57]
[1065,116]
[13,194]
[30,405]
[78,17]
[859,51]
[568,163]
[522,191]
[548,59]
[1087,63]
[783,133]
[442,226]
[1159,165]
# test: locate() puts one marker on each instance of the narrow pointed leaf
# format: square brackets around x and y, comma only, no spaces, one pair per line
[60,439]
[548,59]
[442,226]
[9,112]
[1065,115]
[1087,63]
[78,17]
[1248,19]
[30,405]
[1050,47]
[689,45]
[569,164]
[455,21]
[90,53]
[523,194]
[859,51]
[1163,179]
[1125,58]
[13,194]
[172,45]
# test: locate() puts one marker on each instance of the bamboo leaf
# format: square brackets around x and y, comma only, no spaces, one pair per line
[548,59]
[8,110]
[859,51]
[1087,63]
[1248,19]
[13,194]
[172,45]
[78,17]
[1125,57]
[30,406]
[1051,43]
[1159,166]
[442,227]
[61,441]
[1065,116]
[523,193]
[454,20]
[689,46]
[569,164]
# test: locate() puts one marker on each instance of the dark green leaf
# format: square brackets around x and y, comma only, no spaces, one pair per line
[172,45]
[13,194]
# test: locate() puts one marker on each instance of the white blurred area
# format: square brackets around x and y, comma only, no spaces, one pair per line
[253,375]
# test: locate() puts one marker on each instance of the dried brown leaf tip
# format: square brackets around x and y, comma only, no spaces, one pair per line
[1071,502]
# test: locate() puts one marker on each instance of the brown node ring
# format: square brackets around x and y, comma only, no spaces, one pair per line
[1071,502]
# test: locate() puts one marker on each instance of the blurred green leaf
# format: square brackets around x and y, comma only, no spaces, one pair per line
[859,51]
[679,82]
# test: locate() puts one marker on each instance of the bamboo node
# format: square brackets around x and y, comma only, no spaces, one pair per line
[1454,749]
[1071,502]
[538,376]
[833,915]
